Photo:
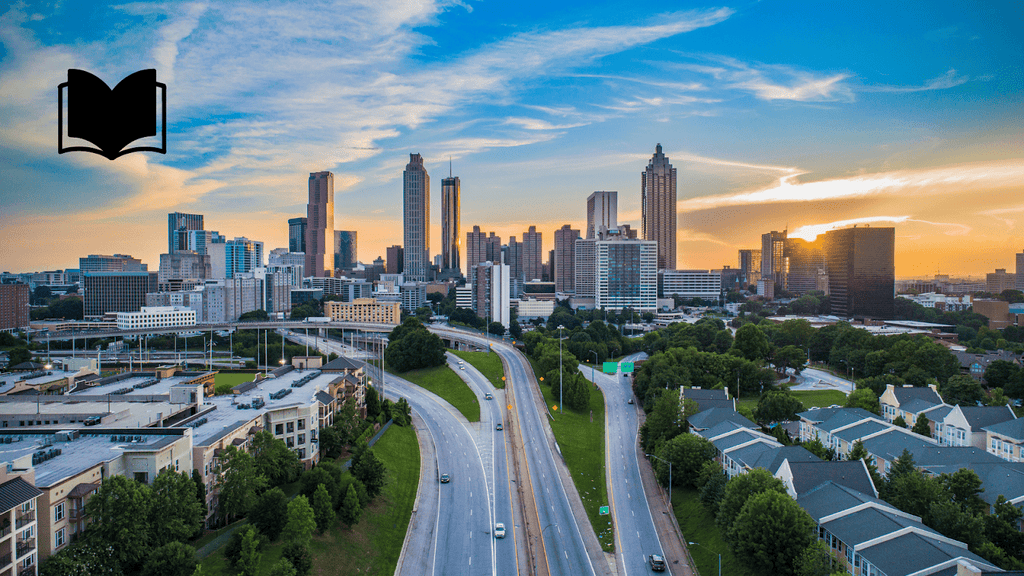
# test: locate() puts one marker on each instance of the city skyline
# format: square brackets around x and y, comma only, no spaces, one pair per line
[887,115]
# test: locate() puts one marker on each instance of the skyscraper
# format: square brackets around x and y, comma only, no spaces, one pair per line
[626,274]
[533,268]
[750,265]
[297,234]
[861,271]
[416,217]
[345,256]
[804,262]
[658,200]
[112,263]
[513,253]
[178,224]
[319,247]
[242,255]
[395,261]
[565,258]
[481,248]
[602,210]
[1019,284]
[451,214]
[773,258]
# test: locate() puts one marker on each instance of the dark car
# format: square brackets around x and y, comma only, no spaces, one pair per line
[657,563]
[445,478]
[92,420]
[630,401]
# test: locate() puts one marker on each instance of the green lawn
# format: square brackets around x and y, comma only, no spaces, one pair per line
[373,545]
[809,398]
[698,525]
[581,440]
[442,381]
[224,382]
[489,364]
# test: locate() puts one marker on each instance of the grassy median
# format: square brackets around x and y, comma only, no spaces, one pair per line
[442,381]
[489,364]
[809,398]
[580,437]
[698,525]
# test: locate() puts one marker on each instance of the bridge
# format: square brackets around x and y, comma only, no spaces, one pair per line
[47,336]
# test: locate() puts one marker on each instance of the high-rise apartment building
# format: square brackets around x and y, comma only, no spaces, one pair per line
[451,214]
[513,257]
[626,274]
[241,256]
[658,200]
[482,248]
[396,260]
[297,234]
[1019,283]
[183,270]
[585,265]
[13,307]
[805,261]
[116,291]
[565,258]
[602,211]
[178,225]
[320,225]
[750,265]
[345,256]
[199,241]
[416,219]
[861,271]
[533,249]
[996,282]
[114,263]
[491,291]
[773,258]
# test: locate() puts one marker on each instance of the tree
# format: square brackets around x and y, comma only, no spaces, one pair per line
[577,392]
[119,512]
[82,559]
[411,346]
[239,482]
[954,521]
[961,390]
[515,330]
[298,554]
[900,422]
[771,532]
[816,560]
[921,426]
[372,403]
[273,460]
[751,343]
[283,568]
[687,453]
[1001,527]
[777,407]
[323,510]
[171,559]
[1000,373]
[197,479]
[964,489]
[249,555]
[18,355]
[496,328]
[350,508]
[790,357]
[664,423]
[864,398]
[301,521]
[254,315]
[711,485]
[818,449]
[175,513]
[326,474]
[270,513]
[369,470]
[739,489]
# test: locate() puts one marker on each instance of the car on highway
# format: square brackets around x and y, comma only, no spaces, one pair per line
[499,427]
[630,401]
[488,396]
[445,478]
[462,367]
[657,563]
[499,530]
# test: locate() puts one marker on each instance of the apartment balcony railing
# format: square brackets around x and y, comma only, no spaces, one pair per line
[5,530]
[28,571]
[25,546]
[76,514]
[25,519]
[5,560]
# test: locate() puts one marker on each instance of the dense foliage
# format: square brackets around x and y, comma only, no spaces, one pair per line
[412,346]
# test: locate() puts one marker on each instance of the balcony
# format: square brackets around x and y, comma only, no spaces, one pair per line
[5,560]
[28,571]
[25,519]
[24,547]
[76,514]
[5,529]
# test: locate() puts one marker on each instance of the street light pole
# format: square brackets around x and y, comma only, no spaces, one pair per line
[669,476]
[713,552]
[592,376]
[560,367]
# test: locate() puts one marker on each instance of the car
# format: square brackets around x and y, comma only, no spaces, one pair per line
[93,420]
[462,367]
[657,563]
[499,530]
[488,396]
[445,478]
[499,427]
[630,401]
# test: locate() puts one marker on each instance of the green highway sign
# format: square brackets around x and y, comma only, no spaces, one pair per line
[610,367]
[602,511]
[627,367]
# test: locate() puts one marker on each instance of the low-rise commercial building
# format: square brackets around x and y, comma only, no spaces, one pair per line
[156,317]
[366,310]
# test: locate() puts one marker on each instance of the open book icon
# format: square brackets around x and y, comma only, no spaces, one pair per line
[111,119]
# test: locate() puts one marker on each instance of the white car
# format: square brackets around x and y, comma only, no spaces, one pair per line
[499,530]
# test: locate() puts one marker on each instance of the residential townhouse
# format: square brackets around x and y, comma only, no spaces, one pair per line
[707,398]
[712,417]
[907,401]
[1006,439]
[964,425]
[18,526]
[802,477]
[738,447]
[974,365]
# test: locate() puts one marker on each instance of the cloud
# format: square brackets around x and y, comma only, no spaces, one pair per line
[811,231]
[770,81]
[948,80]
[535,124]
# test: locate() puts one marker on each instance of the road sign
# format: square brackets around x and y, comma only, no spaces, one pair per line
[602,511]
[610,367]
[627,367]
[509,406]
[554,407]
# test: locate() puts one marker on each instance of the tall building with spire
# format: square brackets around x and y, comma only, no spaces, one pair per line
[320,225]
[658,200]
[451,213]
[416,219]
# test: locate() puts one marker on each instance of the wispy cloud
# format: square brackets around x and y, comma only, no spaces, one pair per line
[948,80]
[535,124]
[769,81]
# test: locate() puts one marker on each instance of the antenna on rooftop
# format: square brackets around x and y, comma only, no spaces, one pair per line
[449,166]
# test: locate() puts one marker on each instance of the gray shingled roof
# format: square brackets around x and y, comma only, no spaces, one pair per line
[722,428]
[829,498]
[1011,428]
[917,405]
[712,417]
[938,413]
[15,493]
[708,403]
[911,553]
[980,416]
[850,473]
[339,364]
[819,414]
[736,439]
[324,398]
[854,433]
[749,455]
[868,524]
[705,394]
[890,445]
[905,394]
[771,460]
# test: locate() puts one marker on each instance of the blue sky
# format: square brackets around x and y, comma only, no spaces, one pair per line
[776,114]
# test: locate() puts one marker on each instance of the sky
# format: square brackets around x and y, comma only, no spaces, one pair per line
[777,115]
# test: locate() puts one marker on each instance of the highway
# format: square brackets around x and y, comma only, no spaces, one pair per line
[635,534]
[565,546]
[452,528]
[814,379]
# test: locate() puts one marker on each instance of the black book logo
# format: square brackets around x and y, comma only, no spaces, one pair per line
[111,119]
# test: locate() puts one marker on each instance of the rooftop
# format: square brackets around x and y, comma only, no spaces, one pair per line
[1011,429]
[850,473]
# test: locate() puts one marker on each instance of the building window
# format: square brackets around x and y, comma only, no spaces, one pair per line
[302,439]
[290,441]
[58,512]
[302,424]
[142,477]
[291,427]
[58,537]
